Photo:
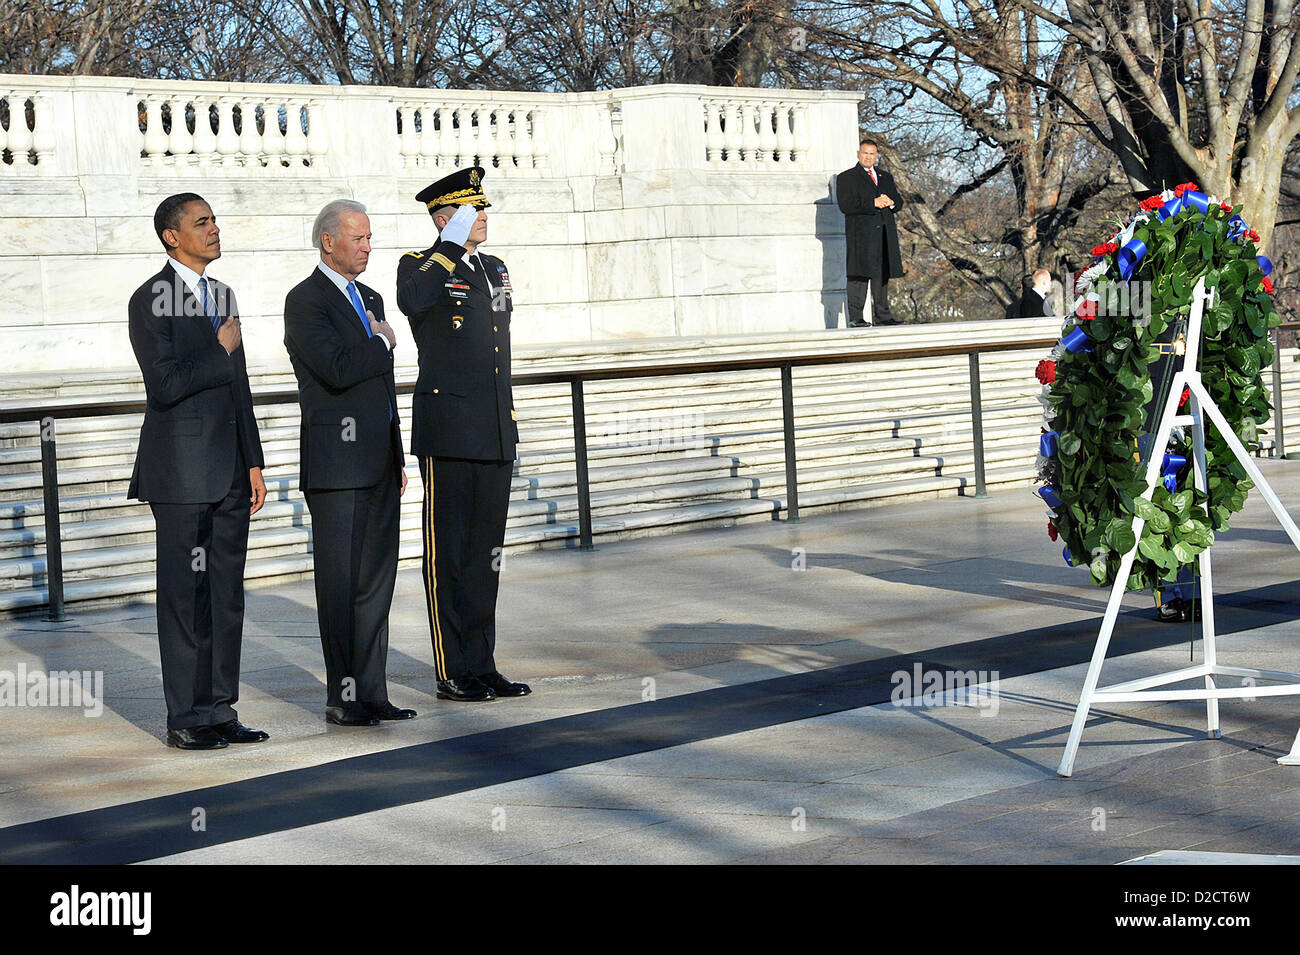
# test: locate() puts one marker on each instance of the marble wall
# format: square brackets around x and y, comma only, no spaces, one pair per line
[620,215]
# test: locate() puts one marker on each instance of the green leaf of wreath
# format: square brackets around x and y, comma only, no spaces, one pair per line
[1145,509]
[1152,549]
[1119,535]
[1101,402]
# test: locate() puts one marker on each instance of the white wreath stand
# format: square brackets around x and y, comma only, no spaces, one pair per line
[1200,406]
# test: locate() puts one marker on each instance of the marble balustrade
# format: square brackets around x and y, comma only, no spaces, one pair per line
[655,211]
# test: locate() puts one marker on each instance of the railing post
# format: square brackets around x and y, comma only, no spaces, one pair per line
[1279,437]
[791,467]
[977,423]
[580,458]
[53,543]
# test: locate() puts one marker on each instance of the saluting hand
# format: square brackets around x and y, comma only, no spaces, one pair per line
[458,227]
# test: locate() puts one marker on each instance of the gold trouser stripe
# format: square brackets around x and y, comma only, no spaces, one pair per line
[431,577]
[445,262]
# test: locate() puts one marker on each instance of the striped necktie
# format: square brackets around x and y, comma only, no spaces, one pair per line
[209,306]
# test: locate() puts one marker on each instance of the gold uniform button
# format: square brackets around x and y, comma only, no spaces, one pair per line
[497,370]
[435,391]
[494,328]
[496,348]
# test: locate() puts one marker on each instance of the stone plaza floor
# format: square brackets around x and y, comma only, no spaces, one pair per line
[728,695]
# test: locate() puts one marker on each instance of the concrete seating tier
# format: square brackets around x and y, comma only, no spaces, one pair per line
[665,454]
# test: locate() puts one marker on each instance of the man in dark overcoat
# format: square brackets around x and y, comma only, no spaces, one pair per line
[868,198]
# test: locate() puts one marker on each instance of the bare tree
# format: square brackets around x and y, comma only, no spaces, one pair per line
[378,42]
[1198,90]
[72,36]
[972,91]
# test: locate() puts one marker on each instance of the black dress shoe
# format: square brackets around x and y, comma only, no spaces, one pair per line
[499,685]
[466,690]
[386,711]
[233,731]
[350,714]
[1179,610]
[195,737]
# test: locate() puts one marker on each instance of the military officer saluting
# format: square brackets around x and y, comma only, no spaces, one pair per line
[463,432]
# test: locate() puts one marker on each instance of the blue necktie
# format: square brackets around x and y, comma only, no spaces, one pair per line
[209,306]
[361,311]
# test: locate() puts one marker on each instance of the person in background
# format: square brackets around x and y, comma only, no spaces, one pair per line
[1037,302]
[868,198]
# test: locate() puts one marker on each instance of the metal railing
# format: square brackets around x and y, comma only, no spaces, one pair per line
[48,413]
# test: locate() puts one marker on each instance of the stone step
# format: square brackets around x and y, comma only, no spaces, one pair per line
[108,522]
[657,464]
[267,568]
[116,546]
[867,434]
[609,397]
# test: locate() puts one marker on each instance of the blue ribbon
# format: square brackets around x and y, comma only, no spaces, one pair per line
[1065,552]
[1048,494]
[1169,467]
[1236,227]
[1197,200]
[1170,209]
[1265,265]
[1076,341]
[1047,445]
[1129,256]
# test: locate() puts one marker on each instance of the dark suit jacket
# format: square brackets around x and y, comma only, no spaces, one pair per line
[1033,305]
[345,387]
[463,405]
[200,410]
[870,233]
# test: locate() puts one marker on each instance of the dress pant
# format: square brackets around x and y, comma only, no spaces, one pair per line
[354,555]
[464,523]
[201,550]
[857,289]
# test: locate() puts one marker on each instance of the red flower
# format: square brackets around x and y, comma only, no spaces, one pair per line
[1225,207]
[1087,310]
[1252,235]
[1151,204]
[1183,187]
[1052,532]
[1046,371]
[1187,393]
[1106,248]
[1268,285]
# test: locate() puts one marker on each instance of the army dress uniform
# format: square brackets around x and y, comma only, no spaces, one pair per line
[464,434]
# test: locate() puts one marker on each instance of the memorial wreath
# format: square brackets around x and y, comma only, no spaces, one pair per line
[1130,312]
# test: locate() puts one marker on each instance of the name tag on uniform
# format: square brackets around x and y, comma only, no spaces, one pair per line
[501,298]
